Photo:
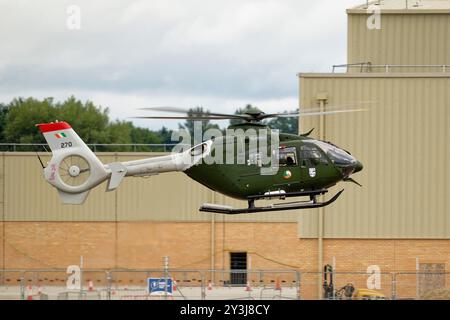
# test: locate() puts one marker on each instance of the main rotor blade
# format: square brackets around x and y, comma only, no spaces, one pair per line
[276,115]
[186,118]
[308,113]
[318,113]
[206,115]
[337,106]
[195,113]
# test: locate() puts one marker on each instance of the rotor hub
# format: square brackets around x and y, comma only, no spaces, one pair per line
[74,171]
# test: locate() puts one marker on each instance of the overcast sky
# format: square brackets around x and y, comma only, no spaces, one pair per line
[130,54]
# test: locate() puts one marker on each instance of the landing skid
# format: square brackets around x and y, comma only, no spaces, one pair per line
[296,205]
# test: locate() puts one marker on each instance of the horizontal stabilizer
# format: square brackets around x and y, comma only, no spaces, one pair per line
[118,171]
[73,198]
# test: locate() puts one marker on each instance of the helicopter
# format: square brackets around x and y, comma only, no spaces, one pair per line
[265,164]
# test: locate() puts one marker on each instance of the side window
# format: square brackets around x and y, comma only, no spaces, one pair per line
[310,154]
[287,156]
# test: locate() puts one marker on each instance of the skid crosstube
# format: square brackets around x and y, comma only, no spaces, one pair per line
[275,207]
[288,194]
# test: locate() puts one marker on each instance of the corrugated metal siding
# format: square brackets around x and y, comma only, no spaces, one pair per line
[402,142]
[165,197]
[403,39]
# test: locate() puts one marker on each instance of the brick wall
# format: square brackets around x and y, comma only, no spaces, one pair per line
[270,246]
[143,244]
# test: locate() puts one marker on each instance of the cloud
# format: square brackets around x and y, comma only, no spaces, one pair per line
[224,52]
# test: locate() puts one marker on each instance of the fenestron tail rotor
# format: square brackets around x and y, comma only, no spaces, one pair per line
[74,170]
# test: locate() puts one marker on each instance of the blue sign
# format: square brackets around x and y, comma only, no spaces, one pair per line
[158,285]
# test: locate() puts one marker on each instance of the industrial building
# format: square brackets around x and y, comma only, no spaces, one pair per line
[398,220]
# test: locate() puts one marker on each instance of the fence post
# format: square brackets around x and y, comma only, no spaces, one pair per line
[22,287]
[166,275]
[108,285]
[202,286]
[81,277]
[298,279]
[394,286]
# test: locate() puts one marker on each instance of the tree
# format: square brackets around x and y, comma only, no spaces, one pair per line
[22,117]
[89,121]
[284,124]
[3,113]
[119,132]
[165,135]
[145,136]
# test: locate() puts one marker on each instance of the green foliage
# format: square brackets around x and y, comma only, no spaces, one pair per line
[145,136]
[22,117]
[3,112]
[165,135]
[285,125]
[141,135]
[91,122]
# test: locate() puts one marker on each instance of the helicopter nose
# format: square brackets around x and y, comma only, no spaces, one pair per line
[358,167]
[350,168]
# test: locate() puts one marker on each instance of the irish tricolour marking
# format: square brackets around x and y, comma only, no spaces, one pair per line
[60,135]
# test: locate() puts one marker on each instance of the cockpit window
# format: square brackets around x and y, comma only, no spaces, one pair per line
[287,156]
[310,153]
[336,155]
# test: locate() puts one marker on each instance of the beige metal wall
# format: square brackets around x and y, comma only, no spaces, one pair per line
[25,196]
[404,38]
[403,142]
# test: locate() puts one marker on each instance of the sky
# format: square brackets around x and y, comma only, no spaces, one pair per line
[127,55]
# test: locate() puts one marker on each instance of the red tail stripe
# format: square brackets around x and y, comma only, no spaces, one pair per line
[54,126]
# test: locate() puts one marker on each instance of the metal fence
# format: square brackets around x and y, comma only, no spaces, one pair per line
[58,284]
[386,68]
